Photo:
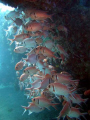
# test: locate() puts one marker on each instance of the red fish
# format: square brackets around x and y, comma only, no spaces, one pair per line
[43,102]
[19,65]
[23,77]
[87,92]
[30,70]
[40,15]
[75,113]
[33,26]
[20,49]
[19,38]
[32,108]
[64,110]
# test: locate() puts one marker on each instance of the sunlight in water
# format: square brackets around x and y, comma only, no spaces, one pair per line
[4,8]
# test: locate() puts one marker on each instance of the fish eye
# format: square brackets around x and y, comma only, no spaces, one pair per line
[34,99]
[24,71]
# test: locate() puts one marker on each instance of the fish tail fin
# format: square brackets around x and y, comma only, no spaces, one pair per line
[85,100]
[73,90]
[73,95]
[6,31]
[25,109]
[84,116]
[12,40]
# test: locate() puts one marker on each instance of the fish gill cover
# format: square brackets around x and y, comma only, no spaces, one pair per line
[50,41]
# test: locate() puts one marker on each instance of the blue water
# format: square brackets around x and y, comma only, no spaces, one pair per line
[10,107]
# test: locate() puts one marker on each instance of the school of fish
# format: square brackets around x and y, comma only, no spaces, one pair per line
[34,36]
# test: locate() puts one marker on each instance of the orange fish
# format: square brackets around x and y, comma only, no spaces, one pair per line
[32,108]
[64,111]
[87,92]
[46,81]
[43,102]
[33,26]
[19,38]
[78,100]
[40,15]
[59,89]
[30,70]
[45,51]
[64,79]
[75,113]
[20,49]
[23,77]
[19,65]
[47,94]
